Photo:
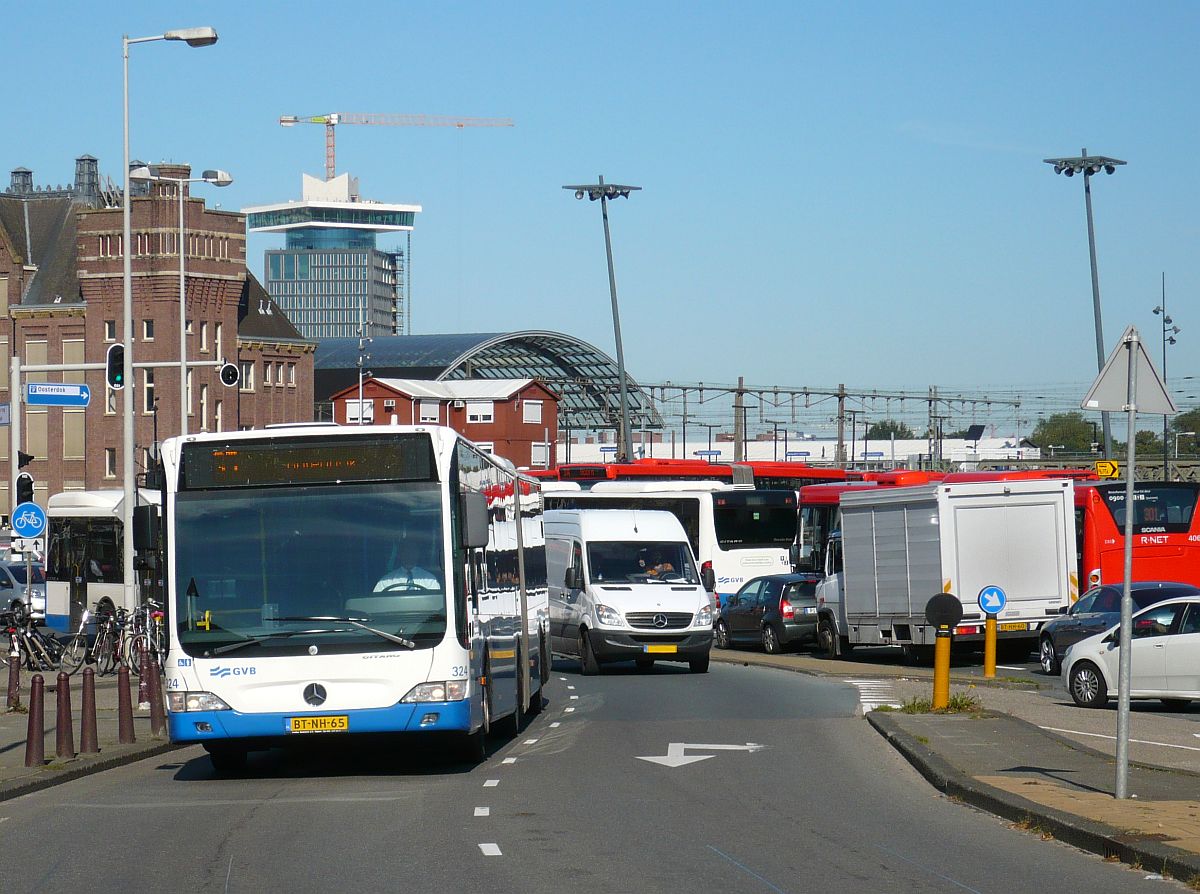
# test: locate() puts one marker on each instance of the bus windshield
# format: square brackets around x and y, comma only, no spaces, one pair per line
[1158,509]
[755,519]
[637,562]
[334,568]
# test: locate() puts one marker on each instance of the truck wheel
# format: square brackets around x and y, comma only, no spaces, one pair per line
[588,665]
[1087,686]
[828,642]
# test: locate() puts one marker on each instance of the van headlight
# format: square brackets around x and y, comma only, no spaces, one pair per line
[439,691]
[609,617]
[181,702]
[704,617]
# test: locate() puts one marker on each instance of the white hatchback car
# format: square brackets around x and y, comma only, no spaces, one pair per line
[1164,656]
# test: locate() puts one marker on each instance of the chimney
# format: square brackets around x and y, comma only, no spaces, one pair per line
[87,180]
[22,181]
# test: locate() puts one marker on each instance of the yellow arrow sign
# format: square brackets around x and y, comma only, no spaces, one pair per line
[1108,468]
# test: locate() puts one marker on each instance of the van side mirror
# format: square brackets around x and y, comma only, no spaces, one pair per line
[709,579]
[473,530]
[145,527]
[572,579]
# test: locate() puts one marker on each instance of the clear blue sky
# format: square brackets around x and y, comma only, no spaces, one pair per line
[831,193]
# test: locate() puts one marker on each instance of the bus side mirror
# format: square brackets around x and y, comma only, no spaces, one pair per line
[709,579]
[794,553]
[145,527]
[474,528]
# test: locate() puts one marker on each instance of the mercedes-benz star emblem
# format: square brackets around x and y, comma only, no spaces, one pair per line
[314,694]
[660,620]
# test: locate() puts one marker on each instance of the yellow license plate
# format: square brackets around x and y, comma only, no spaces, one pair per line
[663,650]
[1014,626]
[338,724]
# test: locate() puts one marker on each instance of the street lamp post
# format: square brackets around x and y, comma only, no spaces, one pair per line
[1169,331]
[605,191]
[775,426]
[1087,165]
[152,173]
[710,426]
[193,37]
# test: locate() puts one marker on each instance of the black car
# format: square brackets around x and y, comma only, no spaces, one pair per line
[773,611]
[1097,610]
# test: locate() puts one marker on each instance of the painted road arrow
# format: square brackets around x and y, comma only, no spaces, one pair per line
[675,756]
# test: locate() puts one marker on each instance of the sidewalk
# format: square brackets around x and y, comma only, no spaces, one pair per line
[16,779]
[1041,780]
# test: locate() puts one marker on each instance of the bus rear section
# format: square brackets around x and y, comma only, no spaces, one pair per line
[367,581]
[1166,533]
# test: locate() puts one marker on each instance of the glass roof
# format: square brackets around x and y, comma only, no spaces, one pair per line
[584,377]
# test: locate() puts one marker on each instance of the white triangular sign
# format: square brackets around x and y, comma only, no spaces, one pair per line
[1110,391]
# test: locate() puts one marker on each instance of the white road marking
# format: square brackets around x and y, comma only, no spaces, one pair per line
[483,811]
[568,710]
[564,679]
[1076,732]
[570,687]
[574,696]
[556,725]
[874,694]
[529,742]
[491,783]
[1008,667]
[509,760]
[233,802]
[491,850]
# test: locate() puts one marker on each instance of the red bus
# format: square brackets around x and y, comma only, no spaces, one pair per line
[766,475]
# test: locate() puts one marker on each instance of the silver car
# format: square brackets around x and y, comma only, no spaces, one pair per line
[14,590]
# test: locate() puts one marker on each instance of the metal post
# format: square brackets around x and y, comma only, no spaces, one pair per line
[989,648]
[129,585]
[183,389]
[626,435]
[1124,669]
[1087,198]
[941,668]
[16,406]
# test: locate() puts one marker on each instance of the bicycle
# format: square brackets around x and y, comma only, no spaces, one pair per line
[146,623]
[36,650]
[104,651]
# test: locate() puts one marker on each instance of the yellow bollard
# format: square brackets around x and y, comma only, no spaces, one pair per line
[941,668]
[989,649]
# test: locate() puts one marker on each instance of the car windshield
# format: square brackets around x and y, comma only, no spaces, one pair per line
[18,572]
[640,561]
[324,566]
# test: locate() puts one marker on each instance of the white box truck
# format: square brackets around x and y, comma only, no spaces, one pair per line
[898,547]
[623,586]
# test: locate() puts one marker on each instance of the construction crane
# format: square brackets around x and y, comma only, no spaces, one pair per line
[333,119]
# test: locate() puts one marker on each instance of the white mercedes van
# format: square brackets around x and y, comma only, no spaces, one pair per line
[624,587]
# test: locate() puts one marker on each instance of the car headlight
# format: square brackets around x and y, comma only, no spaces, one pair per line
[704,617]
[610,617]
[180,702]
[438,691]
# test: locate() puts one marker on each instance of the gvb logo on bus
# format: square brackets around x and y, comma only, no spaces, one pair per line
[222,671]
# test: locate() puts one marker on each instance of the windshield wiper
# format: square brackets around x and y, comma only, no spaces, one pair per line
[262,637]
[357,622]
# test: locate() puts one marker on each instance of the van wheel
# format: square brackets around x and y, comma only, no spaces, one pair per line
[828,642]
[699,665]
[588,665]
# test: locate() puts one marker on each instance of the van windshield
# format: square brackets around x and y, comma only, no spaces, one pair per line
[640,561]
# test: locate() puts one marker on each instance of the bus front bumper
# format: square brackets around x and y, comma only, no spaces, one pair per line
[204,726]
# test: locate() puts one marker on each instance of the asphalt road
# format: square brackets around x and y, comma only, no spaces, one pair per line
[824,804]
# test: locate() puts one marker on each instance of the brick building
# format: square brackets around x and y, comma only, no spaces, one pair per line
[61,302]
[513,418]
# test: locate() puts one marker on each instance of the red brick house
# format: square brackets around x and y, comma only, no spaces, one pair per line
[513,418]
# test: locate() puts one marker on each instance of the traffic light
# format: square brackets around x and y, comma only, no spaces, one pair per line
[114,369]
[23,459]
[24,488]
[230,374]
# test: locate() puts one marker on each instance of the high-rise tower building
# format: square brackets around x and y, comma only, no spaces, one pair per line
[331,275]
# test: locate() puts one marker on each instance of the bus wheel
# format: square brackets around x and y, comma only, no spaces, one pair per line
[226,758]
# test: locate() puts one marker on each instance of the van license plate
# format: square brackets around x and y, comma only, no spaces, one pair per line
[663,650]
[1014,626]
[338,724]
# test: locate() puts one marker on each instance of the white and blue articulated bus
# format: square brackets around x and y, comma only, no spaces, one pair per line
[366,579]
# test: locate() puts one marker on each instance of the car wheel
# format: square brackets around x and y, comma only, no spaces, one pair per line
[1176,704]
[1087,686]
[770,640]
[721,636]
[827,641]
[1046,657]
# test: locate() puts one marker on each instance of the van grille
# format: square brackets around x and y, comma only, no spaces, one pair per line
[645,620]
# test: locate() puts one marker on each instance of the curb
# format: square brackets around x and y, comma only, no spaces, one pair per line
[53,775]
[1077,831]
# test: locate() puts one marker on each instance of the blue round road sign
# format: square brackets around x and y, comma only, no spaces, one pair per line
[29,520]
[992,600]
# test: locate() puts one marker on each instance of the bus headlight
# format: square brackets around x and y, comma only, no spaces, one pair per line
[439,691]
[609,617]
[180,702]
[704,617]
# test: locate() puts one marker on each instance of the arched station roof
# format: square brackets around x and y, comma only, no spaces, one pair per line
[584,377]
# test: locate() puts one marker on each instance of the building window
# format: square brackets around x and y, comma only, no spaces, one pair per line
[147,392]
[291,375]
[188,327]
[110,402]
[203,407]
[189,391]
[73,434]
[218,415]
[531,411]
[246,367]
[480,411]
[486,446]
[204,336]
[429,411]
[539,454]
[279,373]
[147,330]
[267,366]
[110,462]
[217,340]
[110,330]
[352,412]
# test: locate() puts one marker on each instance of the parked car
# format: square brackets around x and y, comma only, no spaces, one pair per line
[1097,610]
[1164,658]
[774,611]
[14,592]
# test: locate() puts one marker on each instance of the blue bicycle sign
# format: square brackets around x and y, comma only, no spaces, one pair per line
[29,520]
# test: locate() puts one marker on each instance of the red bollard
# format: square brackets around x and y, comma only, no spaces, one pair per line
[14,681]
[143,679]
[35,736]
[158,716]
[88,741]
[65,722]
[124,708]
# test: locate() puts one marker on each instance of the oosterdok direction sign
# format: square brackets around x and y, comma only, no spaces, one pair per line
[57,394]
